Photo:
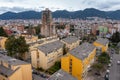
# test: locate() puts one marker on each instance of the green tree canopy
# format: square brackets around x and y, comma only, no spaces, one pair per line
[2,32]
[37,29]
[104,58]
[10,46]
[97,66]
[16,45]
[115,37]
[21,45]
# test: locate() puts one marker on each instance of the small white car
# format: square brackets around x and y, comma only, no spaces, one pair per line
[108,71]
[118,62]
[109,65]
[110,61]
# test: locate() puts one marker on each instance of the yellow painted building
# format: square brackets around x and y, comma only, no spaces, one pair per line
[71,42]
[78,61]
[13,69]
[44,56]
[102,43]
[42,41]
[2,42]
[30,38]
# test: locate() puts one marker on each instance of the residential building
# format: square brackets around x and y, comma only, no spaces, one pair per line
[2,42]
[13,69]
[78,61]
[46,55]
[81,30]
[36,42]
[101,44]
[62,75]
[71,42]
[102,31]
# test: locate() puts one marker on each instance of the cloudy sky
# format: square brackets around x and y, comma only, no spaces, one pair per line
[71,5]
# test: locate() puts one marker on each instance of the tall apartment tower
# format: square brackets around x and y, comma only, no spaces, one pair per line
[47,28]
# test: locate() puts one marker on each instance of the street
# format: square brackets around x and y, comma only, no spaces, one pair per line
[115,68]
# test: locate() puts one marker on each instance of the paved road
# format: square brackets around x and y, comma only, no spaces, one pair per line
[115,69]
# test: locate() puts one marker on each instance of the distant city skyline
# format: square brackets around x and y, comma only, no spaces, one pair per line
[71,5]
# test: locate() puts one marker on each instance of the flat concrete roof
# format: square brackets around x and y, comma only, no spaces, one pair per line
[5,71]
[102,41]
[37,42]
[83,50]
[50,47]
[70,39]
[61,75]
[11,61]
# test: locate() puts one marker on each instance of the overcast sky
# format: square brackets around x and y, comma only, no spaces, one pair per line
[71,5]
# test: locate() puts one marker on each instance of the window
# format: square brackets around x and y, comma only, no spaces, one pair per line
[70,67]
[50,60]
[37,55]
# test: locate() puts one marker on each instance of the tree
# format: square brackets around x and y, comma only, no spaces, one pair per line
[104,58]
[16,47]
[22,47]
[41,36]
[37,29]
[71,28]
[54,68]
[2,32]
[10,46]
[98,67]
[115,38]
[60,26]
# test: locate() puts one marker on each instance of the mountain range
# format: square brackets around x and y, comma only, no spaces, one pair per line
[82,14]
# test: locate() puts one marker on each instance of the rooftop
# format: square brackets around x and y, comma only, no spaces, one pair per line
[5,71]
[39,42]
[11,61]
[37,77]
[50,47]
[83,50]
[61,75]
[70,39]
[102,41]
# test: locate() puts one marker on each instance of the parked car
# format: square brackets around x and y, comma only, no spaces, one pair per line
[110,61]
[118,62]
[108,71]
[106,77]
[109,65]
[111,58]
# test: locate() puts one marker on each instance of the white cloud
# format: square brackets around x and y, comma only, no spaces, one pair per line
[58,4]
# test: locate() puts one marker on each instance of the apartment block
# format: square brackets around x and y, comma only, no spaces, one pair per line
[13,69]
[71,42]
[47,54]
[78,61]
[2,42]
[101,44]
[81,30]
